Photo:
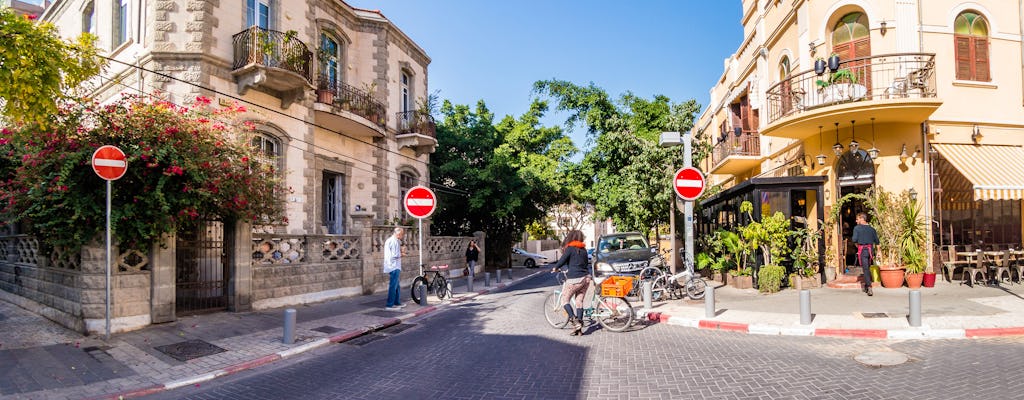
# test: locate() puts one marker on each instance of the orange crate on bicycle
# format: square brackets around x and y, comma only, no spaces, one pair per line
[616,286]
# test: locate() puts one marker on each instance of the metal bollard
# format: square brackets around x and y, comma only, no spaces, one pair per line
[709,302]
[289,326]
[805,307]
[915,308]
[648,289]
[497,276]
[487,279]
[469,283]
[510,274]
[422,289]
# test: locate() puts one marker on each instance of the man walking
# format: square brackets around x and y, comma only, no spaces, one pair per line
[865,237]
[393,267]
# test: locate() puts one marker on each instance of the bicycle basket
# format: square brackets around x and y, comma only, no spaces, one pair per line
[617,286]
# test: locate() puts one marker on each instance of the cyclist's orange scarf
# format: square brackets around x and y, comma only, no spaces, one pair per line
[576,243]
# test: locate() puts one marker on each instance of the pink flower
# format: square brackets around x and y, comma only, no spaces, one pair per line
[31,17]
[203,100]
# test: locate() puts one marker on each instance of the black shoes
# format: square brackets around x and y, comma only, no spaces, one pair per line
[577,327]
[867,289]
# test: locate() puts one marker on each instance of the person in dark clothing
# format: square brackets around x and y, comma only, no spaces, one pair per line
[578,285]
[472,255]
[865,237]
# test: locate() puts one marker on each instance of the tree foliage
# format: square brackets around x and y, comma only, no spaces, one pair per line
[38,69]
[500,176]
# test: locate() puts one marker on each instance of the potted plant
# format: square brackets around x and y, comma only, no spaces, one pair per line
[770,235]
[805,260]
[888,221]
[913,243]
[833,62]
[324,92]
[819,66]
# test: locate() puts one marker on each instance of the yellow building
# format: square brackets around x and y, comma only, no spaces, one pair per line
[924,97]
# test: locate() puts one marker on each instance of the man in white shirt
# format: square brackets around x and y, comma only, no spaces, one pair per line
[393,267]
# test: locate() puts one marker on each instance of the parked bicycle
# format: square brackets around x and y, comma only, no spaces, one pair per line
[438,285]
[666,286]
[612,312]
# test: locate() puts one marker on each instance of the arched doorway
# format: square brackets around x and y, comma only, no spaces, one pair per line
[851,41]
[855,173]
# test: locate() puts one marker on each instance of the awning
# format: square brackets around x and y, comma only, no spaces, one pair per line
[993,172]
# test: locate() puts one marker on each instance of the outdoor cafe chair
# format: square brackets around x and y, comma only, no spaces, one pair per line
[972,270]
[950,263]
[1001,265]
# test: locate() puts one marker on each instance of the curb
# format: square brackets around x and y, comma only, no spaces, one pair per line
[778,330]
[341,338]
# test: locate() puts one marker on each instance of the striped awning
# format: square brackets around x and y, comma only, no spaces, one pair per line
[994,172]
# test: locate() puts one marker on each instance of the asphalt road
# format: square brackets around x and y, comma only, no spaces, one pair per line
[500,347]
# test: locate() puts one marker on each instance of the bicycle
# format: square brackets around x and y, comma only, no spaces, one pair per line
[613,313]
[667,286]
[438,285]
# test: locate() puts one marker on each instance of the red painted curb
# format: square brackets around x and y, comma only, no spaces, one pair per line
[723,326]
[663,317]
[983,332]
[853,333]
[348,336]
[252,363]
[133,393]
[424,310]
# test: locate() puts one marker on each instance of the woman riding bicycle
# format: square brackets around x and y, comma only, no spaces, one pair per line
[578,284]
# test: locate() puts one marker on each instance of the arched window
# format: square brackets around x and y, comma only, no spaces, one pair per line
[268,149]
[851,39]
[406,92]
[787,86]
[330,60]
[784,68]
[970,36]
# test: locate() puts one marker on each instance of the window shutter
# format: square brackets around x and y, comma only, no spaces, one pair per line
[981,71]
[963,57]
[745,113]
[862,48]
[843,50]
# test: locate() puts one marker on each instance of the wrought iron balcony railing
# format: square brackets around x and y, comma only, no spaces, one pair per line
[273,49]
[348,98]
[881,77]
[416,122]
[747,144]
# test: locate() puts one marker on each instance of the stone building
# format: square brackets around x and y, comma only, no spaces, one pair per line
[925,98]
[335,92]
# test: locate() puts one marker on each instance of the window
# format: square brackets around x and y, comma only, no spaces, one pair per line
[406,96]
[851,40]
[330,56]
[406,181]
[89,18]
[120,34]
[268,149]
[784,68]
[787,86]
[257,13]
[334,204]
[970,36]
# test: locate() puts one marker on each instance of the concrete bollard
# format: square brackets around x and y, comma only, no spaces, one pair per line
[422,289]
[805,307]
[289,326]
[915,308]
[648,289]
[709,302]
[497,276]
[487,279]
[469,283]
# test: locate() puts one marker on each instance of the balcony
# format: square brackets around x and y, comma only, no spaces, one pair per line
[890,88]
[416,130]
[344,108]
[275,62]
[733,155]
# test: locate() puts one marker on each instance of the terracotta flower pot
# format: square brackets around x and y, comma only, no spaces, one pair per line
[914,280]
[892,277]
[741,282]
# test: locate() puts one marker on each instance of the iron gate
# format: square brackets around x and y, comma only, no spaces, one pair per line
[202,269]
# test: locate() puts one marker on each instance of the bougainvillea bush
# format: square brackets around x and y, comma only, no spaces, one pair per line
[185,164]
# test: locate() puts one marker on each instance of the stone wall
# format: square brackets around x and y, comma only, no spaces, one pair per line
[295,269]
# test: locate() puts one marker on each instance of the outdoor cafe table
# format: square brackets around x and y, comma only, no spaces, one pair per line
[973,258]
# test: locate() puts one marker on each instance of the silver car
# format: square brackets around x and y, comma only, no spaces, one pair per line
[528,260]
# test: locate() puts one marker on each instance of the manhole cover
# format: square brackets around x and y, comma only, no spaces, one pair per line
[874,315]
[326,329]
[882,358]
[189,350]
[367,338]
[396,329]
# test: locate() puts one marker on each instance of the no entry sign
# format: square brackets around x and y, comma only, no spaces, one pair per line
[109,163]
[689,183]
[420,202]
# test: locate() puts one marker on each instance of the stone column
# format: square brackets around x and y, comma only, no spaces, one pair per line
[240,287]
[362,223]
[163,287]
[92,287]
[481,242]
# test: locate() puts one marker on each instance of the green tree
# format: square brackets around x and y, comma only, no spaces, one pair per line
[627,176]
[504,175]
[38,69]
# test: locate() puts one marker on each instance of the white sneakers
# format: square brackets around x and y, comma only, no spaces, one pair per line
[395,308]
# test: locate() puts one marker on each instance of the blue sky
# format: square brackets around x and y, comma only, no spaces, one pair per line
[495,50]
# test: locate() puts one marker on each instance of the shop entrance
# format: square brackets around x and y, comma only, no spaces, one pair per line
[855,174]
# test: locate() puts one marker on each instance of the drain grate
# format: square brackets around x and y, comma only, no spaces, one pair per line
[874,315]
[189,350]
[367,338]
[326,329]
[396,329]
[882,358]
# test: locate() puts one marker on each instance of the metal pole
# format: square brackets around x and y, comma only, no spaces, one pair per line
[497,275]
[422,289]
[107,336]
[289,326]
[688,206]
[421,245]
[672,232]
[648,288]
[469,283]
[487,279]
[915,308]
[709,301]
[805,307]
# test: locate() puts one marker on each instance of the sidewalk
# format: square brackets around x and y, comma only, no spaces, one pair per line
[949,310]
[41,360]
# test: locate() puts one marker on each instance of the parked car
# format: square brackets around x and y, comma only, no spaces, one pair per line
[526,259]
[624,254]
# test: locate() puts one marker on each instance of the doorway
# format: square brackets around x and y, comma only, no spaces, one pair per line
[855,174]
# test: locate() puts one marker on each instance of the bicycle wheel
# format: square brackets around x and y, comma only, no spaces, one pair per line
[441,287]
[554,312]
[659,292]
[614,313]
[419,281]
[695,288]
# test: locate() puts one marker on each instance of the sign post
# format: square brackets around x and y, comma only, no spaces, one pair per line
[689,184]
[109,163]
[420,202]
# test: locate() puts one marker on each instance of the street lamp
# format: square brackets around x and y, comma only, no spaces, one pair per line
[672,139]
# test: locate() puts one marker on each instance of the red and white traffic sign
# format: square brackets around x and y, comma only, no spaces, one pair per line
[420,202]
[109,162]
[689,183]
